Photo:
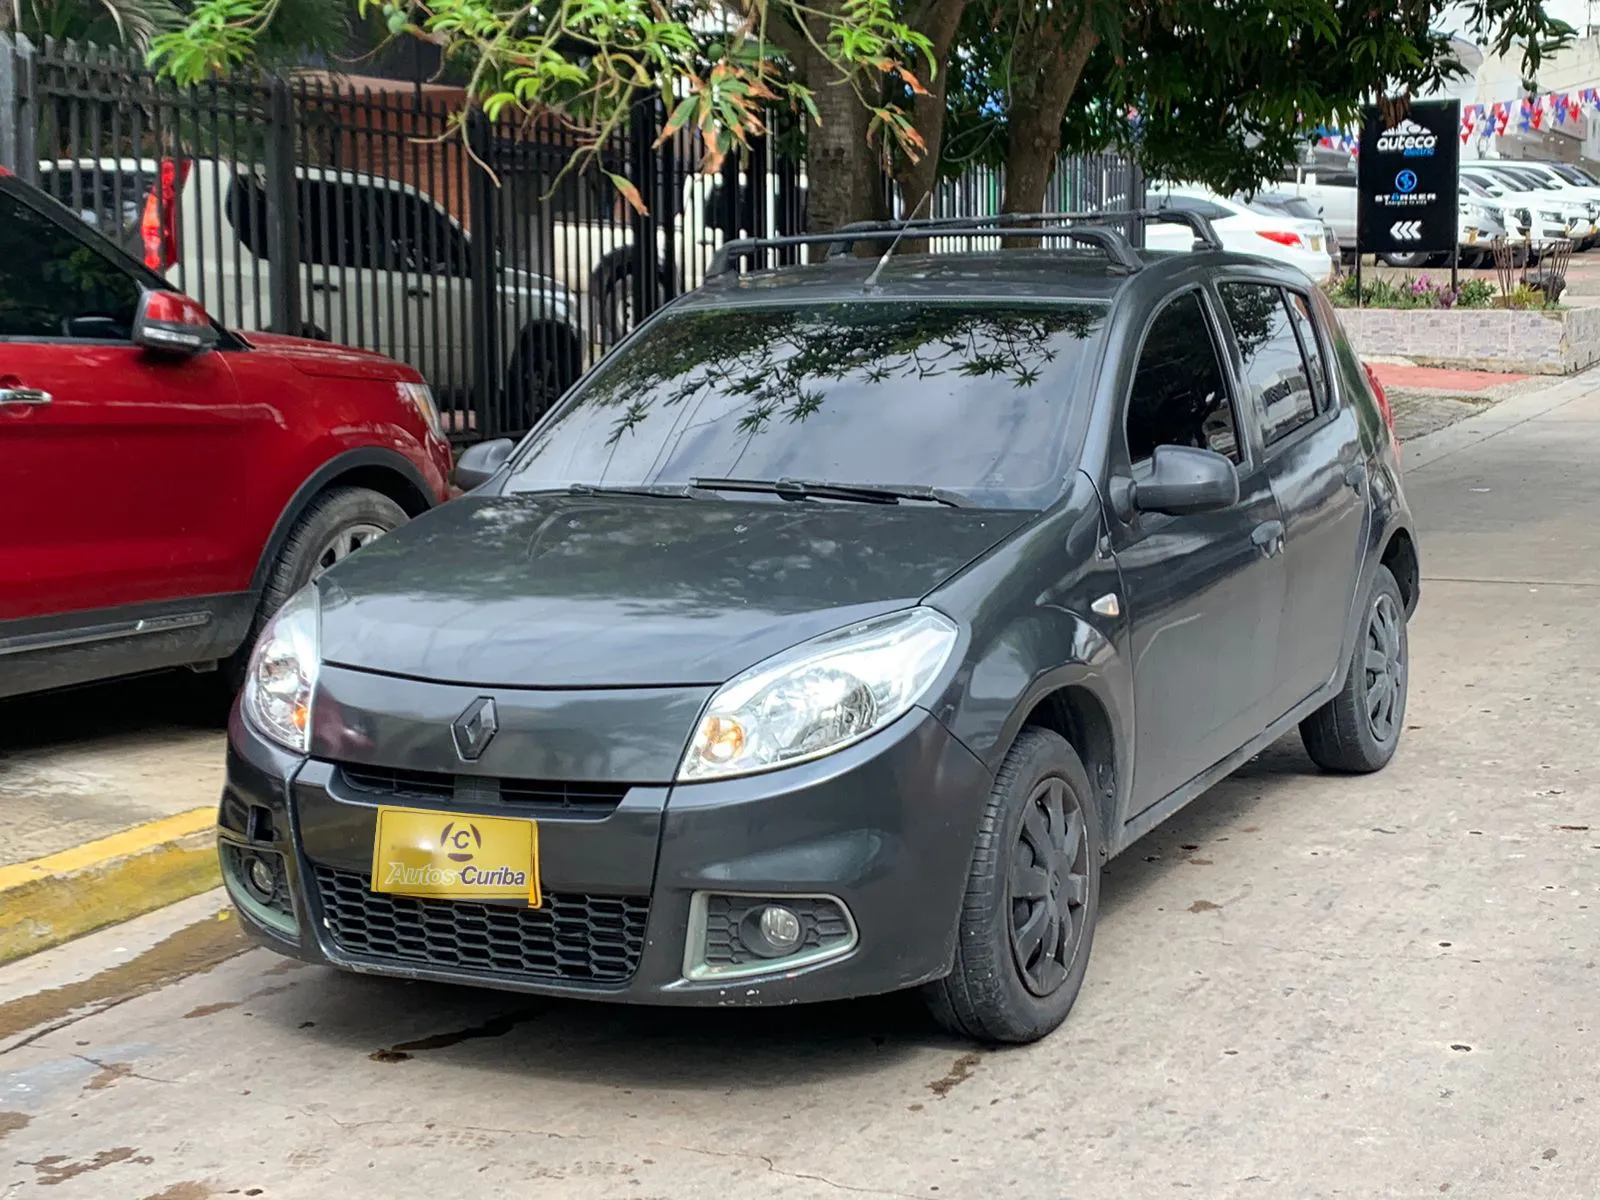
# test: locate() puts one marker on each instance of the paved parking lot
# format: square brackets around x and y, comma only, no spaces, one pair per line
[1303,986]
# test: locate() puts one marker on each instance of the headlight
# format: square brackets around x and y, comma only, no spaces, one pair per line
[420,397]
[282,676]
[1547,215]
[820,696]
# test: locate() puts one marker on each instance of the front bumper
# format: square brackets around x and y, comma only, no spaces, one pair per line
[886,828]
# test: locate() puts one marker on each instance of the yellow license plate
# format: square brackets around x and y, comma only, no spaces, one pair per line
[1316,243]
[449,856]
[1472,236]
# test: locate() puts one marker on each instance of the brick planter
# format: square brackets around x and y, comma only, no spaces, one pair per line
[1479,339]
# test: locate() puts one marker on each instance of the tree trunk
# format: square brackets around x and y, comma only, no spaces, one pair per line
[1048,66]
[844,181]
[919,179]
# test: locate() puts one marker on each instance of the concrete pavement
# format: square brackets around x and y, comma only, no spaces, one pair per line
[108,795]
[1302,986]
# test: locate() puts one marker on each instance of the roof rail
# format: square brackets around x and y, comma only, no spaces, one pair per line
[1019,225]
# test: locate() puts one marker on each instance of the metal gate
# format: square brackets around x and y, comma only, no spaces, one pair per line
[373,214]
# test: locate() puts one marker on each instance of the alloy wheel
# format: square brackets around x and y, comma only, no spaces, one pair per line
[344,543]
[1049,886]
[1385,667]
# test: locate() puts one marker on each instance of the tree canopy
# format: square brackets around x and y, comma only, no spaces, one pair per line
[1212,91]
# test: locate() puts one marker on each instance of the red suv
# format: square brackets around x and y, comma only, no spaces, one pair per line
[168,483]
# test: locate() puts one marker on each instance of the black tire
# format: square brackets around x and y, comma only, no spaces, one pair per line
[1358,731]
[615,299]
[998,992]
[341,511]
[1406,261]
[545,365]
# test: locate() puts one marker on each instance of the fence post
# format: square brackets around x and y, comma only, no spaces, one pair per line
[484,325]
[647,282]
[18,121]
[283,218]
[10,101]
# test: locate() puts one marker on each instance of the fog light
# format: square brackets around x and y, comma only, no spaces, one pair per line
[780,927]
[262,879]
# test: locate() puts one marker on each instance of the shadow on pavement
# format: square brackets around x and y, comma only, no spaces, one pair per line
[400,1023]
[170,700]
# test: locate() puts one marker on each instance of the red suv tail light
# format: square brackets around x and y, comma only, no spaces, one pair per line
[158,226]
[1382,398]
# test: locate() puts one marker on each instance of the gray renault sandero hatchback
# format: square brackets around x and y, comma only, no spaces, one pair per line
[833,633]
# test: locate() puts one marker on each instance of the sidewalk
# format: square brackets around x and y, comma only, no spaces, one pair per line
[107,797]
[1427,399]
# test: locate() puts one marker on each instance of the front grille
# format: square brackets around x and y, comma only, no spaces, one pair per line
[590,939]
[383,781]
[553,797]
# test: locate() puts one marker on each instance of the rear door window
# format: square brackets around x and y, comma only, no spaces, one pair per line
[110,200]
[1275,370]
[55,285]
[1310,347]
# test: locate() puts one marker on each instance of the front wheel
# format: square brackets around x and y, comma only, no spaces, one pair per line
[334,526]
[1033,896]
[1358,731]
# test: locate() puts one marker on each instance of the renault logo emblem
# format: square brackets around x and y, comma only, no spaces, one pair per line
[474,729]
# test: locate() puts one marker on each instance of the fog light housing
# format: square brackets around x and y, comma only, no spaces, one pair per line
[261,879]
[777,931]
[733,935]
[258,883]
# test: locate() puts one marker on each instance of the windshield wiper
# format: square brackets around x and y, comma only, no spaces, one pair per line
[671,491]
[807,489]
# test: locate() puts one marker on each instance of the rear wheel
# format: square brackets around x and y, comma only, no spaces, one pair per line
[1409,261]
[1358,730]
[545,365]
[1033,895]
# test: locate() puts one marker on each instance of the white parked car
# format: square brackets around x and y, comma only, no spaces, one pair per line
[589,248]
[1552,215]
[1544,177]
[381,266]
[1292,240]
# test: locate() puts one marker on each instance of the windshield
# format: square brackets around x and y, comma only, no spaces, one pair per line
[1486,186]
[1573,174]
[971,398]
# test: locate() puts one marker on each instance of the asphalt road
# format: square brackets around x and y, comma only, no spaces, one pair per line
[1303,986]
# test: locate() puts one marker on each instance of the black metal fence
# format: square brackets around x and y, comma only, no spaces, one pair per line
[372,214]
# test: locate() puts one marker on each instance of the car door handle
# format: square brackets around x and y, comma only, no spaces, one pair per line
[324,287]
[1355,475]
[1268,537]
[420,293]
[22,396]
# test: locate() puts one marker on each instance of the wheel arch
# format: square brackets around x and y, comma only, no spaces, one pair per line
[1400,556]
[382,471]
[1081,717]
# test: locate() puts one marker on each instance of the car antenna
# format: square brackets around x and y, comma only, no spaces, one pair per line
[877,270]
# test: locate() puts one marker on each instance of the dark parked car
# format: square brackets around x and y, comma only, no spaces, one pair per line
[833,633]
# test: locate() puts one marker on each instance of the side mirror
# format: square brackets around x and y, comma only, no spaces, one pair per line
[1185,480]
[173,323]
[479,463]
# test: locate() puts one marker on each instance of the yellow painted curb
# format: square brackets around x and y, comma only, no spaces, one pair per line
[50,900]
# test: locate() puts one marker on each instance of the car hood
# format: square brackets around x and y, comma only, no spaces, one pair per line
[325,360]
[558,591]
